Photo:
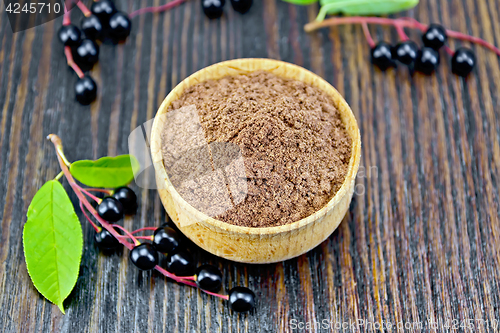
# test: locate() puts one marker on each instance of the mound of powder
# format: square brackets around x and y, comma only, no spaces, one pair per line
[294,146]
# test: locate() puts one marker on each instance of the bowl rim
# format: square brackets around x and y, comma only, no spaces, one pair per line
[227,227]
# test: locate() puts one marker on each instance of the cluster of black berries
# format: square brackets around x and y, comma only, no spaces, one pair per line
[215,8]
[425,59]
[165,240]
[104,23]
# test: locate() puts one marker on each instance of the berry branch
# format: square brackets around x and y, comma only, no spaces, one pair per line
[157,9]
[398,24]
[145,255]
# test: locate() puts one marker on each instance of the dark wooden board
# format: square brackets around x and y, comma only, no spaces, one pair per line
[421,241]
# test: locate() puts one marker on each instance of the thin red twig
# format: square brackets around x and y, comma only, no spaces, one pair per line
[108,192]
[129,235]
[72,63]
[143,229]
[83,8]
[158,9]
[368,35]
[90,195]
[67,16]
[138,237]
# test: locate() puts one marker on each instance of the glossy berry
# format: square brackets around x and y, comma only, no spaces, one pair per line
[180,263]
[87,53]
[208,277]
[463,61]
[127,198]
[119,26]
[166,240]
[381,56]
[85,90]
[144,256]
[105,240]
[241,299]
[103,9]
[241,6]
[92,27]
[435,36]
[406,52]
[69,35]
[427,60]
[110,209]
[213,8]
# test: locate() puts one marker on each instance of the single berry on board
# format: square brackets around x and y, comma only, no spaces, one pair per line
[208,277]
[103,9]
[92,27]
[127,198]
[110,209]
[180,263]
[406,52]
[85,90]
[69,35]
[144,256]
[87,53]
[119,26]
[381,56]
[166,240]
[241,6]
[213,8]
[427,60]
[435,37]
[105,240]
[463,61]
[241,299]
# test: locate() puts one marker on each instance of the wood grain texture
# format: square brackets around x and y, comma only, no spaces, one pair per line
[421,240]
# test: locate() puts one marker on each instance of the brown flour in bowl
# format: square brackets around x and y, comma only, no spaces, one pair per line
[294,148]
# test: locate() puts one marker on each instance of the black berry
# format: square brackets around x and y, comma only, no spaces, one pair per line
[144,256]
[105,240]
[427,60]
[127,198]
[85,90]
[381,56]
[213,8]
[92,27]
[180,263]
[208,277]
[241,299]
[241,6]
[463,61]
[110,209]
[87,53]
[406,52]
[103,9]
[435,36]
[119,26]
[166,239]
[70,35]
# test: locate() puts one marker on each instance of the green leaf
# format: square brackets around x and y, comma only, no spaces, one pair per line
[363,7]
[301,2]
[53,243]
[106,172]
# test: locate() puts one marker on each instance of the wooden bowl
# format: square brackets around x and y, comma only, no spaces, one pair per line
[247,244]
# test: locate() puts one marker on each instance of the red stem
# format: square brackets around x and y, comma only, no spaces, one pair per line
[402,23]
[108,192]
[136,242]
[67,16]
[158,9]
[96,228]
[401,33]
[368,35]
[143,229]
[83,200]
[71,62]
[84,9]
[139,237]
